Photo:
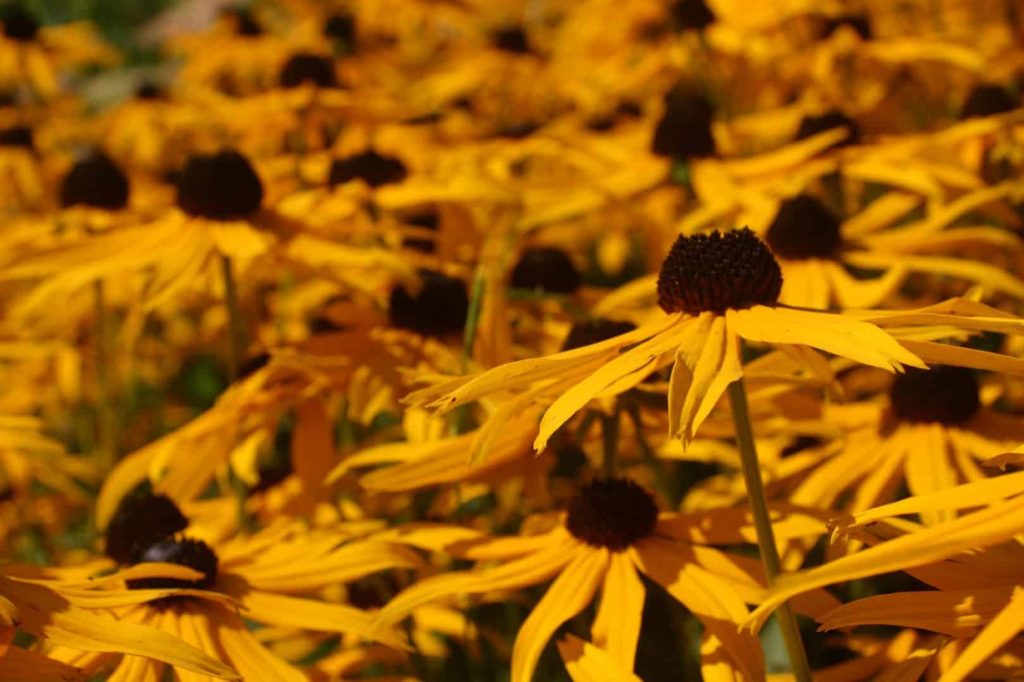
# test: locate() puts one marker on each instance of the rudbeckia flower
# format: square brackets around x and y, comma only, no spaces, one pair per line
[72,614]
[715,289]
[260,576]
[931,435]
[611,533]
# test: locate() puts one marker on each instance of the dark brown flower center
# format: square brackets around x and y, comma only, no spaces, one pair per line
[19,23]
[948,395]
[511,38]
[18,136]
[715,272]
[612,513]
[438,308]
[812,125]
[308,68]
[547,270]
[595,331]
[95,181]
[141,519]
[373,168]
[691,14]
[222,186]
[684,130]
[987,100]
[804,228]
[341,28]
[194,554]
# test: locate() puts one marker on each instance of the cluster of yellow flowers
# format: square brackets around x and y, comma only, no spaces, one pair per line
[515,340]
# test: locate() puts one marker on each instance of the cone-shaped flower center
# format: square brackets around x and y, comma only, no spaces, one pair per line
[546,269]
[715,272]
[595,331]
[18,136]
[812,125]
[691,14]
[220,186]
[948,395]
[141,519]
[19,23]
[194,554]
[439,307]
[308,68]
[373,168]
[685,128]
[512,39]
[95,181]
[987,100]
[804,228]
[612,513]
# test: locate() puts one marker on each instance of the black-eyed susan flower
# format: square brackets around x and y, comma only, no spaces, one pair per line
[934,433]
[611,532]
[263,575]
[68,613]
[716,290]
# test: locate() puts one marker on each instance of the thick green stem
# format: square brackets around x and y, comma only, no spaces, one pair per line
[236,327]
[763,526]
[106,415]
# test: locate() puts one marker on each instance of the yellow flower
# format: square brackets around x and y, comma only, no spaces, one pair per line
[612,532]
[70,614]
[716,290]
[263,575]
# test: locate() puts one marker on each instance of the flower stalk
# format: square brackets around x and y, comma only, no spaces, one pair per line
[763,526]
[236,328]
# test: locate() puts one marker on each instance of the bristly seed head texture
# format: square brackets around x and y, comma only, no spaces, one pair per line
[613,513]
[718,271]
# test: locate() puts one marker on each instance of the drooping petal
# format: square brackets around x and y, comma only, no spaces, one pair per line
[617,624]
[574,588]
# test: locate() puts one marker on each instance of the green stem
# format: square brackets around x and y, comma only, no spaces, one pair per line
[236,328]
[106,415]
[610,441]
[763,526]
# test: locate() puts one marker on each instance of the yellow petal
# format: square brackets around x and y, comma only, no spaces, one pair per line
[617,624]
[836,334]
[998,522]
[1004,627]
[588,663]
[568,595]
